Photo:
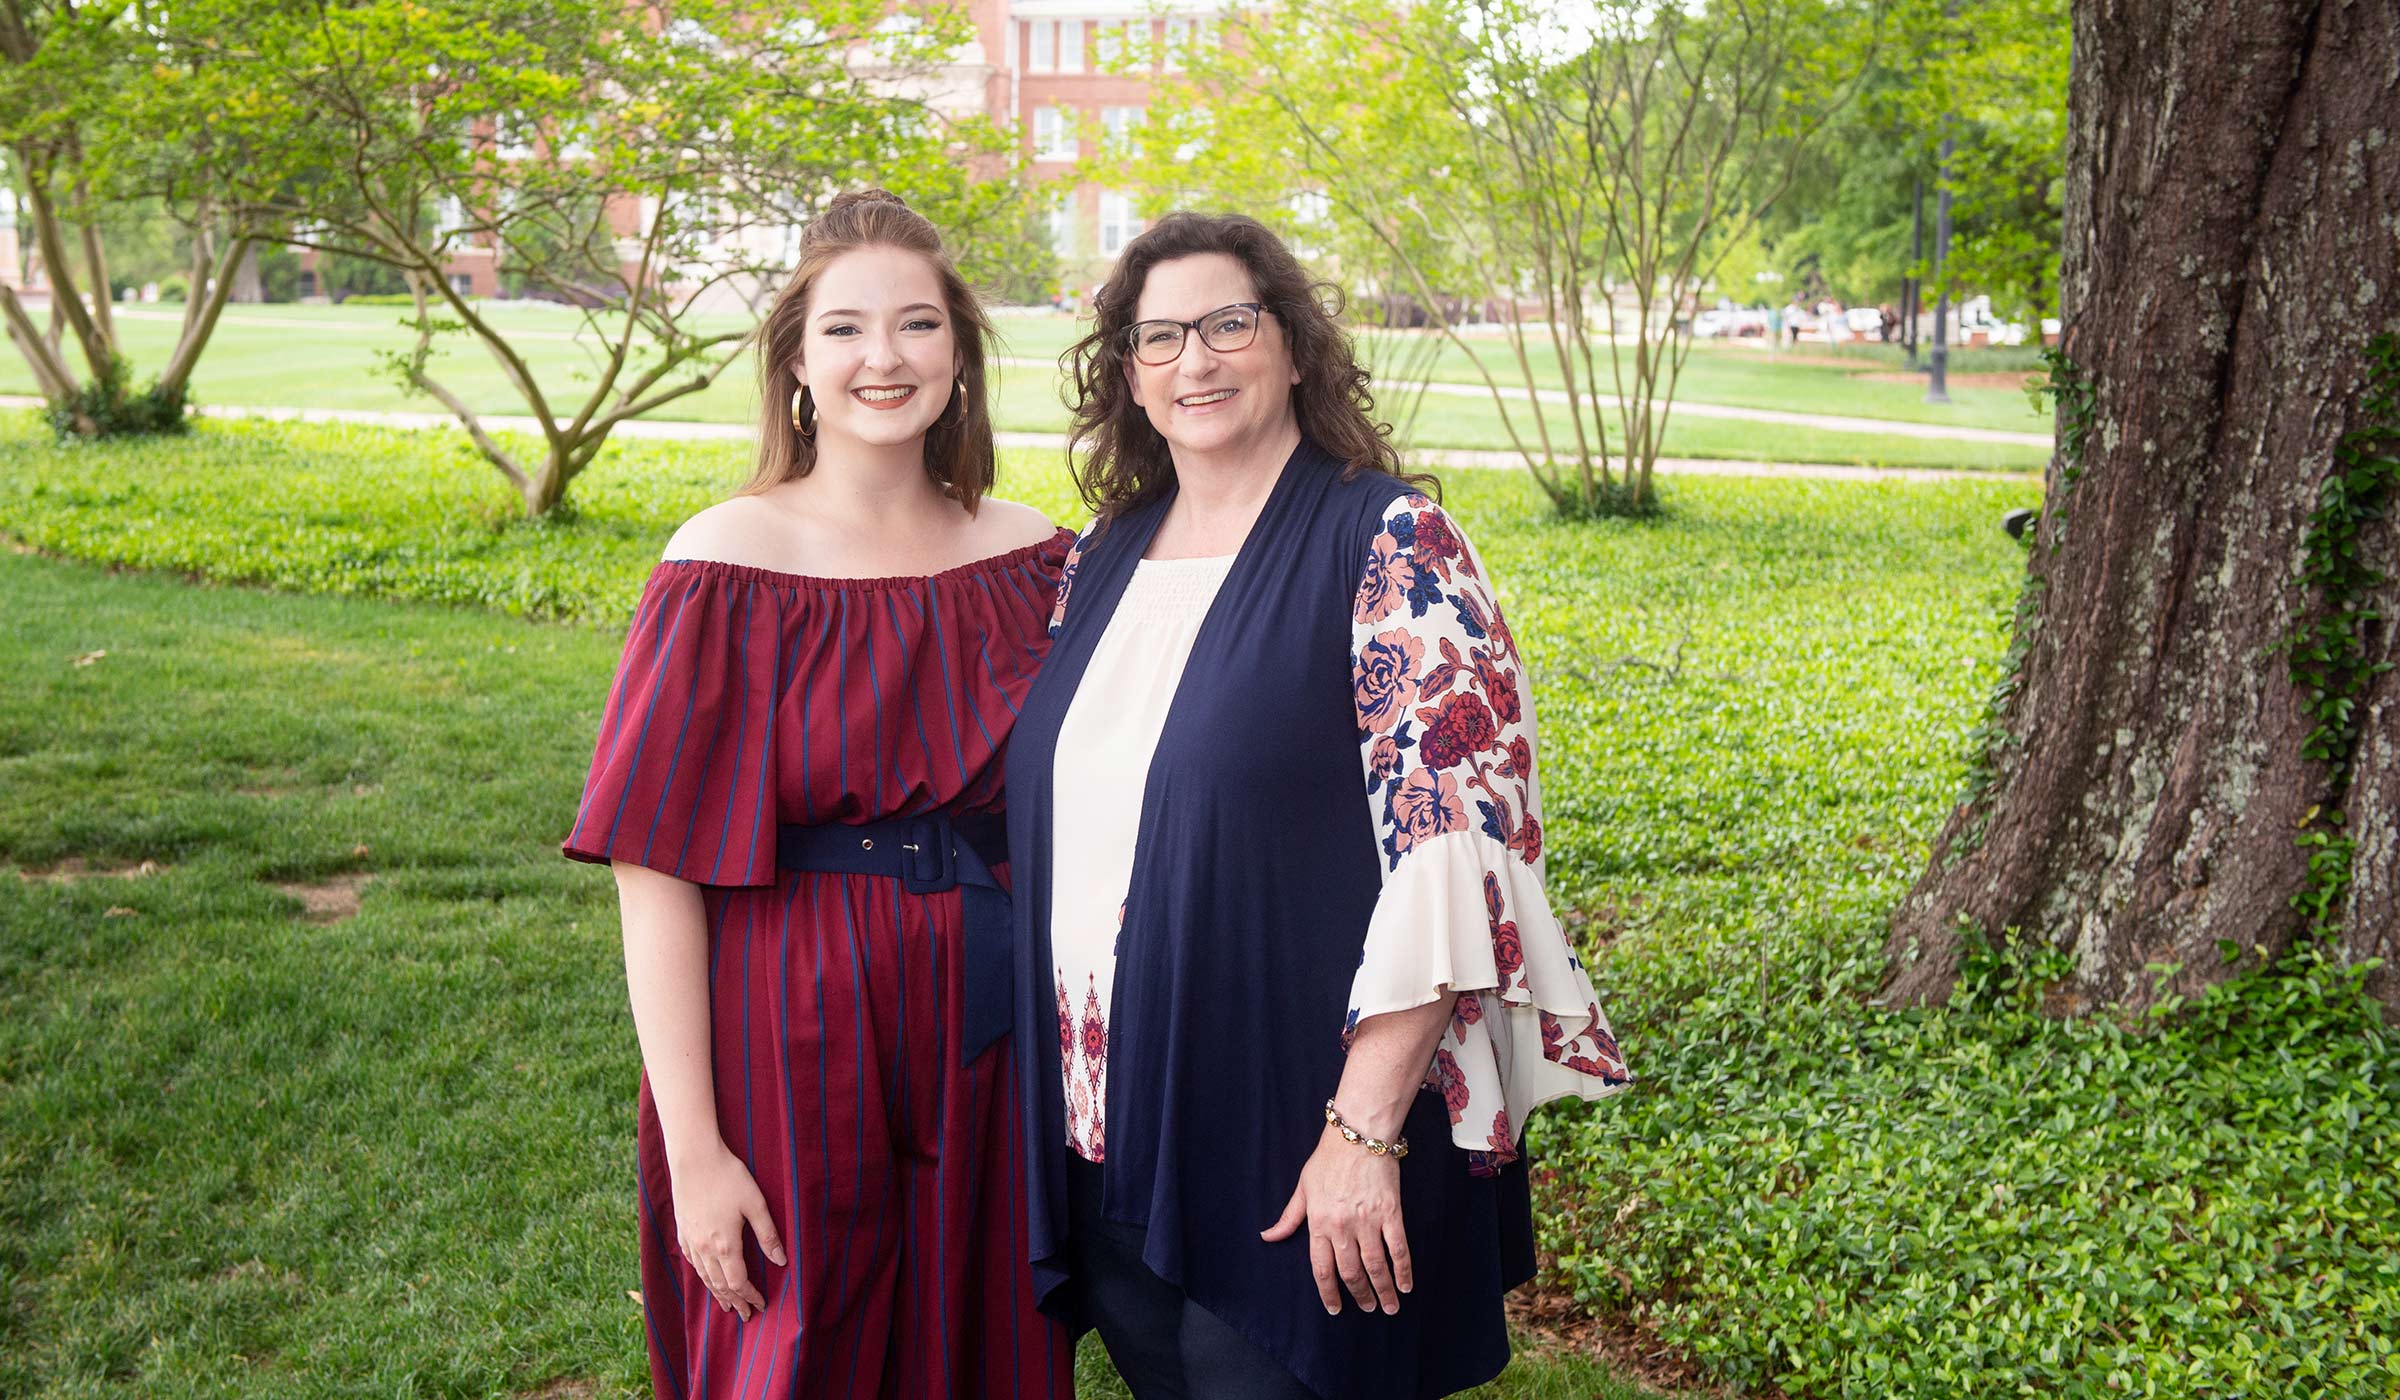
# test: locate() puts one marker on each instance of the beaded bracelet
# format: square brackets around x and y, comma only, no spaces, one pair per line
[1396,1149]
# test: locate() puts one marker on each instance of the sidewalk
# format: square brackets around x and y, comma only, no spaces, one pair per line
[681,430]
[1882,427]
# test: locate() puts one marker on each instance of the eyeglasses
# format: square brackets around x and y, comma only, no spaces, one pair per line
[1224,330]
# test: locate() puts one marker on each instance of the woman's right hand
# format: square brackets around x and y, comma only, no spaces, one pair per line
[715,1196]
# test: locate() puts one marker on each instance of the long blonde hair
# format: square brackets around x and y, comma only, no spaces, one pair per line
[958,447]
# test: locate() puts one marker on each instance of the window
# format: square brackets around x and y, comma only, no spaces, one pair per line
[1119,123]
[1183,37]
[513,136]
[1199,36]
[1311,213]
[1116,41]
[1053,134]
[1117,223]
[1062,228]
[1054,46]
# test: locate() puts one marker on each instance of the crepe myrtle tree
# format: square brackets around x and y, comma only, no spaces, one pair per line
[1576,177]
[77,140]
[648,167]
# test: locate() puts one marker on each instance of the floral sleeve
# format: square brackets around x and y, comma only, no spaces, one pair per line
[1066,580]
[1447,753]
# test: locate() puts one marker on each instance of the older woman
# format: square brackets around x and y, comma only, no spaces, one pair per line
[1287,981]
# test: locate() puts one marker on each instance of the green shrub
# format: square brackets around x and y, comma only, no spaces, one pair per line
[107,408]
[173,287]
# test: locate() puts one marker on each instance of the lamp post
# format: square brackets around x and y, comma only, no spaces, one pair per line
[1912,285]
[1937,384]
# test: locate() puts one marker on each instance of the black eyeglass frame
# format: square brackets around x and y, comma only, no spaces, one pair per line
[1133,333]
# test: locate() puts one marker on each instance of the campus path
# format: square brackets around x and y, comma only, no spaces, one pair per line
[679,429]
[1884,427]
[1887,427]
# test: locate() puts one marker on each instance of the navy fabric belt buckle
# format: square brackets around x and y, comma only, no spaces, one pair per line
[931,857]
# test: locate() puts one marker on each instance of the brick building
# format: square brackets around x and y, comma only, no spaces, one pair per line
[1051,62]
[1057,69]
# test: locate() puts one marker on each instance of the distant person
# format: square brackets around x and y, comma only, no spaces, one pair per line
[1288,980]
[1889,329]
[798,784]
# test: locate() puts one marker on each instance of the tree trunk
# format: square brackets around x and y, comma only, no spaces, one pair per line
[2232,176]
[248,288]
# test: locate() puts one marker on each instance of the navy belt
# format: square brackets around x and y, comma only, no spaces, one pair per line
[927,855]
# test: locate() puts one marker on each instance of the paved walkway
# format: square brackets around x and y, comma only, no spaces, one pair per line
[682,430]
[1881,427]
[1827,422]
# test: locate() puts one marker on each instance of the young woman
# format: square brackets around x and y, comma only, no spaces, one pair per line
[1288,984]
[797,783]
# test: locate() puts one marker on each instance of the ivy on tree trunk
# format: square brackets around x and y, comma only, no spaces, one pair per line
[2156,797]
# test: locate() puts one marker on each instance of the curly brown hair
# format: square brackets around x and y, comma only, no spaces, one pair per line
[1121,462]
[958,449]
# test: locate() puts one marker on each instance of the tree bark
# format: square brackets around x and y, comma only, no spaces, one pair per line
[200,315]
[2232,247]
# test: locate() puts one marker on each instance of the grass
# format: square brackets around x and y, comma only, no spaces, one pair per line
[328,358]
[355,510]
[244,1153]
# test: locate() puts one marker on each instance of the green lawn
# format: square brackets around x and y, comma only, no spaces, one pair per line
[243,1153]
[329,357]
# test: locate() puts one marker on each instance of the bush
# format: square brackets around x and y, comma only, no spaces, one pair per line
[173,287]
[278,271]
[105,408]
[379,299]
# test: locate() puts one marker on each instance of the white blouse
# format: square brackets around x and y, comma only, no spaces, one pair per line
[1104,748]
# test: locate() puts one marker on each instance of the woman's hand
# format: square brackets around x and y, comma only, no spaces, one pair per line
[714,1197]
[1350,1200]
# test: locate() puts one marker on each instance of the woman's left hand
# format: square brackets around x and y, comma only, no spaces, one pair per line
[1349,1199]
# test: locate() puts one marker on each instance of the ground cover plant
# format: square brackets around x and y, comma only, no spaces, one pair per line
[375,512]
[335,1098]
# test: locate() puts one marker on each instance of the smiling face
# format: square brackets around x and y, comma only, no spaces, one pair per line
[878,354]
[1213,405]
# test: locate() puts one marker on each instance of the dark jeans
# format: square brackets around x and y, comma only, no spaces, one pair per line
[1165,1346]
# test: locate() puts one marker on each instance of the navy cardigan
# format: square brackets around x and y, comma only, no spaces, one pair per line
[1254,876]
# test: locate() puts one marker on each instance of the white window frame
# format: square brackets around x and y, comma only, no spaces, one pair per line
[1120,122]
[1054,134]
[1119,225]
[1070,46]
[1041,46]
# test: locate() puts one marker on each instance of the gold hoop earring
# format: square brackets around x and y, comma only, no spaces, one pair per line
[800,424]
[958,400]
